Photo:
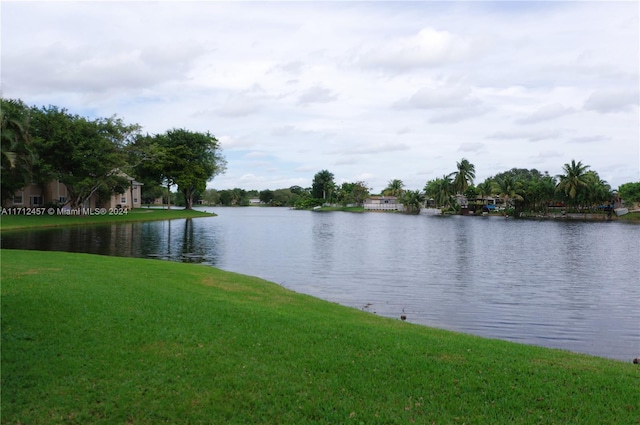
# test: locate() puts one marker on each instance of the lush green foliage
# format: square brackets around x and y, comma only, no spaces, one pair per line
[89,156]
[525,190]
[323,185]
[441,191]
[353,193]
[306,202]
[630,192]
[18,155]
[101,340]
[573,180]
[193,159]
[464,176]
[85,155]
[394,187]
[178,157]
[413,200]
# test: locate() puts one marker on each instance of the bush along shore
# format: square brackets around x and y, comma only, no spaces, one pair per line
[10,221]
[102,340]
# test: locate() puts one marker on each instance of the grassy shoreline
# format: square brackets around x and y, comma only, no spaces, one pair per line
[93,339]
[21,222]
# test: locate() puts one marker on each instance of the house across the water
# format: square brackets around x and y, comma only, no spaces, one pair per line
[383,203]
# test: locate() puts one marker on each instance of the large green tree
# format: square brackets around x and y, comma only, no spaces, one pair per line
[630,192]
[146,157]
[539,192]
[412,201]
[353,193]
[191,159]
[573,180]
[284,197]
[18,156]
[509,188]
[596,193]
[441,191]
[83,154]
[323,185]
[485,189]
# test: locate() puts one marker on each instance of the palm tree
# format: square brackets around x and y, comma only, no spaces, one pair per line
[394,188]
[323,185]
[573,179]
[485,189]
[597,192]
[412,201]
[464,176]
[539,192]
[440,190]
[508,188]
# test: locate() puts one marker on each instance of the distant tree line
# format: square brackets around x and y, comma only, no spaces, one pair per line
[578,188]
[89,156]
[240,197]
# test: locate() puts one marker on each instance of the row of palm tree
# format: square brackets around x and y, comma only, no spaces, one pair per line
[577,187]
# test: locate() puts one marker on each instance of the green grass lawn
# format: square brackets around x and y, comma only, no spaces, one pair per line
[105,340]
[18,222]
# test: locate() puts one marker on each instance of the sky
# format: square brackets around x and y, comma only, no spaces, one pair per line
[371,91]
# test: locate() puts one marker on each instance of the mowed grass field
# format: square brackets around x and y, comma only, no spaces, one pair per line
[102,340]
[20,222]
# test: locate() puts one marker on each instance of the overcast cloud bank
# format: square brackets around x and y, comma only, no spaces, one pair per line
[371,91]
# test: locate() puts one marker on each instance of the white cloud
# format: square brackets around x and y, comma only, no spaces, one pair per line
[239,105]
[612,100]
[436,97]
[472,147]
[529,135]
[381,90]
[429,47]
[372,149]
[316,94]
[546,113]
[589,139]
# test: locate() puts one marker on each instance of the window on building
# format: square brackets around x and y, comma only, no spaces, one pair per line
[62,200]
[17,198]
[123,199]
[37,200]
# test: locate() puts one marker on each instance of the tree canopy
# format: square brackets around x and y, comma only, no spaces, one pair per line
[18,155]
[464,176]
[394,187]
[90,156]
[83,154]
[323,185]
[630,192]
[191,159]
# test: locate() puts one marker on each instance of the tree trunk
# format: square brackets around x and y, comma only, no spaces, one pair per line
[168,196]
[188,199]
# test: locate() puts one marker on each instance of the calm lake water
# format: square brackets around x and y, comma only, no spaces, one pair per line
[569,285]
